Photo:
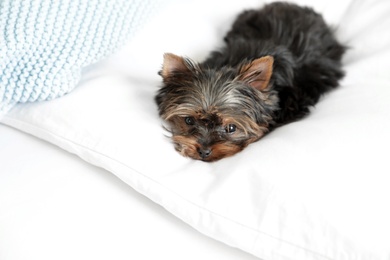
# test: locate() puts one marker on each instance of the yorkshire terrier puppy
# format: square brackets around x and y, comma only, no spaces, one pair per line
[276,63]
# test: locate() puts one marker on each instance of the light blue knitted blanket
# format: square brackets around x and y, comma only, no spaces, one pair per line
[44,44]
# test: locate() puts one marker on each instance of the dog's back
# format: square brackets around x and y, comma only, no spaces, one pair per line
[307,55]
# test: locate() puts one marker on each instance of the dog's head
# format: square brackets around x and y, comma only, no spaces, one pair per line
[211,113]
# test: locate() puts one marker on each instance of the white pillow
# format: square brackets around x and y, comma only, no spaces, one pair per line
[314,189]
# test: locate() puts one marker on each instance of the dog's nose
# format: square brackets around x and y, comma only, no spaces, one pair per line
[204,152]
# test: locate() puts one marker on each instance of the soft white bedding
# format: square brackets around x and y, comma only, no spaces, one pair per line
[53,205]
[314,189]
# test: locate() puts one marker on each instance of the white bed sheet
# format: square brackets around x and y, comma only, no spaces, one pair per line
[314,189]
[79,211]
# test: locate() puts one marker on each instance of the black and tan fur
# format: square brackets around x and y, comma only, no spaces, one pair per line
[276,63]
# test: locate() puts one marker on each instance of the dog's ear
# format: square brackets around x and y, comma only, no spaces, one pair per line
[258,72]
[173,63]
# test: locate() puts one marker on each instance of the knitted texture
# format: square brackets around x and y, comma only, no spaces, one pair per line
[44,44]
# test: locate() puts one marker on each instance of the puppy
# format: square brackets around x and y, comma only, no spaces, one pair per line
[276,63]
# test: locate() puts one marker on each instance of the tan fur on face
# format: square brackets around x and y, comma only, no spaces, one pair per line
[223,150]
[189,143]
[188,146]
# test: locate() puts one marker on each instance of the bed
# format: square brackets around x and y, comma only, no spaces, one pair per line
[92,174]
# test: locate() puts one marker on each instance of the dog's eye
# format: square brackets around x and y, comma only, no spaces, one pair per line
[189,120]
[230,128]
